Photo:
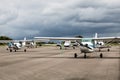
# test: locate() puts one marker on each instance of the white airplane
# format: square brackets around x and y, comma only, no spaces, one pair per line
[66,44]
[87,45]
[14,45]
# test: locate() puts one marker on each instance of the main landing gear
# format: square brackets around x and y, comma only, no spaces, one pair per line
[85,56]
[101,55]
[25,50]
[16,50]
[108,49]
[75,55]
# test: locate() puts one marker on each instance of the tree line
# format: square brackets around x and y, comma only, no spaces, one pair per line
[4,38]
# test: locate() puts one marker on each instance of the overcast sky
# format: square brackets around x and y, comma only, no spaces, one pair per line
[30,18]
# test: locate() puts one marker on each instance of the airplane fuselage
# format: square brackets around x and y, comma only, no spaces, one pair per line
[85,50]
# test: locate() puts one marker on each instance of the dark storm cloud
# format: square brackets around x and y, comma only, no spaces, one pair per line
[59,18]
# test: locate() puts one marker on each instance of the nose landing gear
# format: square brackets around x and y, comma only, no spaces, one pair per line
[101,55]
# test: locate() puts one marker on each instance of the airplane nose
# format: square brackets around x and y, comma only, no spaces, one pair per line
[86,45]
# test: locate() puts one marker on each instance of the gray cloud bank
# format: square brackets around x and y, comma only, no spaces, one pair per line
[20,18]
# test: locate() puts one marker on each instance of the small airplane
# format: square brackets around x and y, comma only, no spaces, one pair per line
[66,44]
[87,45]
[14,45]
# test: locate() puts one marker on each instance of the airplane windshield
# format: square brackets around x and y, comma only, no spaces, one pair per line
[86,40]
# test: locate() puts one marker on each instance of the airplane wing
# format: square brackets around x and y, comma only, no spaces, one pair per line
[107,38]
[7,41]
[57,38]
[75,38]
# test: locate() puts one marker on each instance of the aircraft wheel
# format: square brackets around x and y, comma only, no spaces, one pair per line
[75,55]
[108,50]
[10,50]
[101,55]
[15,50]
[24,50]
[85,55]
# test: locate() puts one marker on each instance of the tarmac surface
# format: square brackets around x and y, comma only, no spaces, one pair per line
[50,63]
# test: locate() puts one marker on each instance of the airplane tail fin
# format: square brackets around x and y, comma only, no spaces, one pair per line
[24,43]
[96,35]
[95,42]
[25,39]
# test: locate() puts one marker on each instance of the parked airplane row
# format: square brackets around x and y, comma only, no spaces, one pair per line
[87,45]
[14,45]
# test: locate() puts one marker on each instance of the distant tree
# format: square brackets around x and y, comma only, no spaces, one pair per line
[40,43]
[51,42]
[5,38]
[79,36]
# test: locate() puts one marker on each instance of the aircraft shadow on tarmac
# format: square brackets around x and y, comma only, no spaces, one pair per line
[76,78]
[76,58]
